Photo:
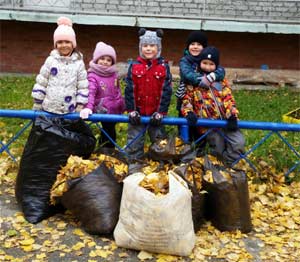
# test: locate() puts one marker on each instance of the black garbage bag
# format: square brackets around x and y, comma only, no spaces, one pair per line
[51,141]
[168,150]
[95,200]
[198,197]
[227,203]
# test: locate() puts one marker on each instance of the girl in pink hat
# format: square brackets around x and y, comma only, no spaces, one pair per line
[105,95]
[61,86]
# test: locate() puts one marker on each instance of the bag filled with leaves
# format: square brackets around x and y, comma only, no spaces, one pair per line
[192,174]
[160,221]
[94,199]
[227,202]
[169,149]
[51,141]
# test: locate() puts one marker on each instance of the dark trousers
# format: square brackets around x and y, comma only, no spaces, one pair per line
[110,129]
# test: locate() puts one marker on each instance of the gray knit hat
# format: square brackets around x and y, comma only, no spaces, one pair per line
[151,38]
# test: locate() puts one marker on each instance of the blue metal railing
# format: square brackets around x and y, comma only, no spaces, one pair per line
[274,128]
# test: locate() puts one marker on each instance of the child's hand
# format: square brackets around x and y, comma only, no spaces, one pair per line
[134,118]
[204,83]
[155,119]
[191,118]
[84,113]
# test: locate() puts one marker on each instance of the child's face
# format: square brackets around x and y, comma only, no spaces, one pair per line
[105,60]
[65,48]
[195,48]
[149,51]
[207,65]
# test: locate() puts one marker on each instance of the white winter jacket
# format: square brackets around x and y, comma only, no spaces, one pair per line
[61,84]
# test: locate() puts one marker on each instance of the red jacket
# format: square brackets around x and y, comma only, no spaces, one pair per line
[148,86]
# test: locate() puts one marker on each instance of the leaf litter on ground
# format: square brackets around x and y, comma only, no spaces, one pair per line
[275,212]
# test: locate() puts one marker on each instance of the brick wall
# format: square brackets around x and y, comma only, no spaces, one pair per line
[24,46]
[237,9]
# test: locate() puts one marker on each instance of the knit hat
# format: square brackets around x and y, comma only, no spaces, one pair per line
[150,38]
[104,49]
[64,31]
[210,53]
[196,36]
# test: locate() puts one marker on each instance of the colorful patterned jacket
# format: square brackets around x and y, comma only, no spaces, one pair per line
[148,86]
[214,103]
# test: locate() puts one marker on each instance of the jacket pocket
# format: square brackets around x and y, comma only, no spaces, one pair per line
[160,72]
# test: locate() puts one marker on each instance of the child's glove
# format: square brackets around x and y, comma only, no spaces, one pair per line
[204,83]
[37,106]
[232,124]
[155,119]
[134,118]
[84,113]
[191,118]
[211,77]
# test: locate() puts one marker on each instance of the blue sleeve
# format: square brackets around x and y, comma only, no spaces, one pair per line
[166,92]
[129,92]
[220,73]
[187,73]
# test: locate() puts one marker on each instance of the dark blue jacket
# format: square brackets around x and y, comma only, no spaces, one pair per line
[189,74]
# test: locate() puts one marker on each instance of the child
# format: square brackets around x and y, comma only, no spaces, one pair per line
[61,86]
[104,91]
[148,92]
[214,102]
[189,71]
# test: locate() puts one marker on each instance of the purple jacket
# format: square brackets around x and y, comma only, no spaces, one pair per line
[105,94]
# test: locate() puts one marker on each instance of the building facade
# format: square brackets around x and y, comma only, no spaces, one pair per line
[249,33]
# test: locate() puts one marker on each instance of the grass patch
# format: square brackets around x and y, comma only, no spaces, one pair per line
[267,106]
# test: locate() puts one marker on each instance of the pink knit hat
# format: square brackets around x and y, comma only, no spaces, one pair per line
[64,31]
[104,49]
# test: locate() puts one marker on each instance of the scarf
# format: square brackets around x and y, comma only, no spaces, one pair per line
[102,70]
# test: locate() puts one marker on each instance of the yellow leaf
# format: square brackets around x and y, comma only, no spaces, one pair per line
[61,225]
[78,246]
[91,244]
[166,258]
[20,219]
[27,242]
[144,255]
[233,257]
[78,232]
[27,248]
[41,256]
[113,246]
[47,243]
[92,254]
[123,254]
[103,253]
